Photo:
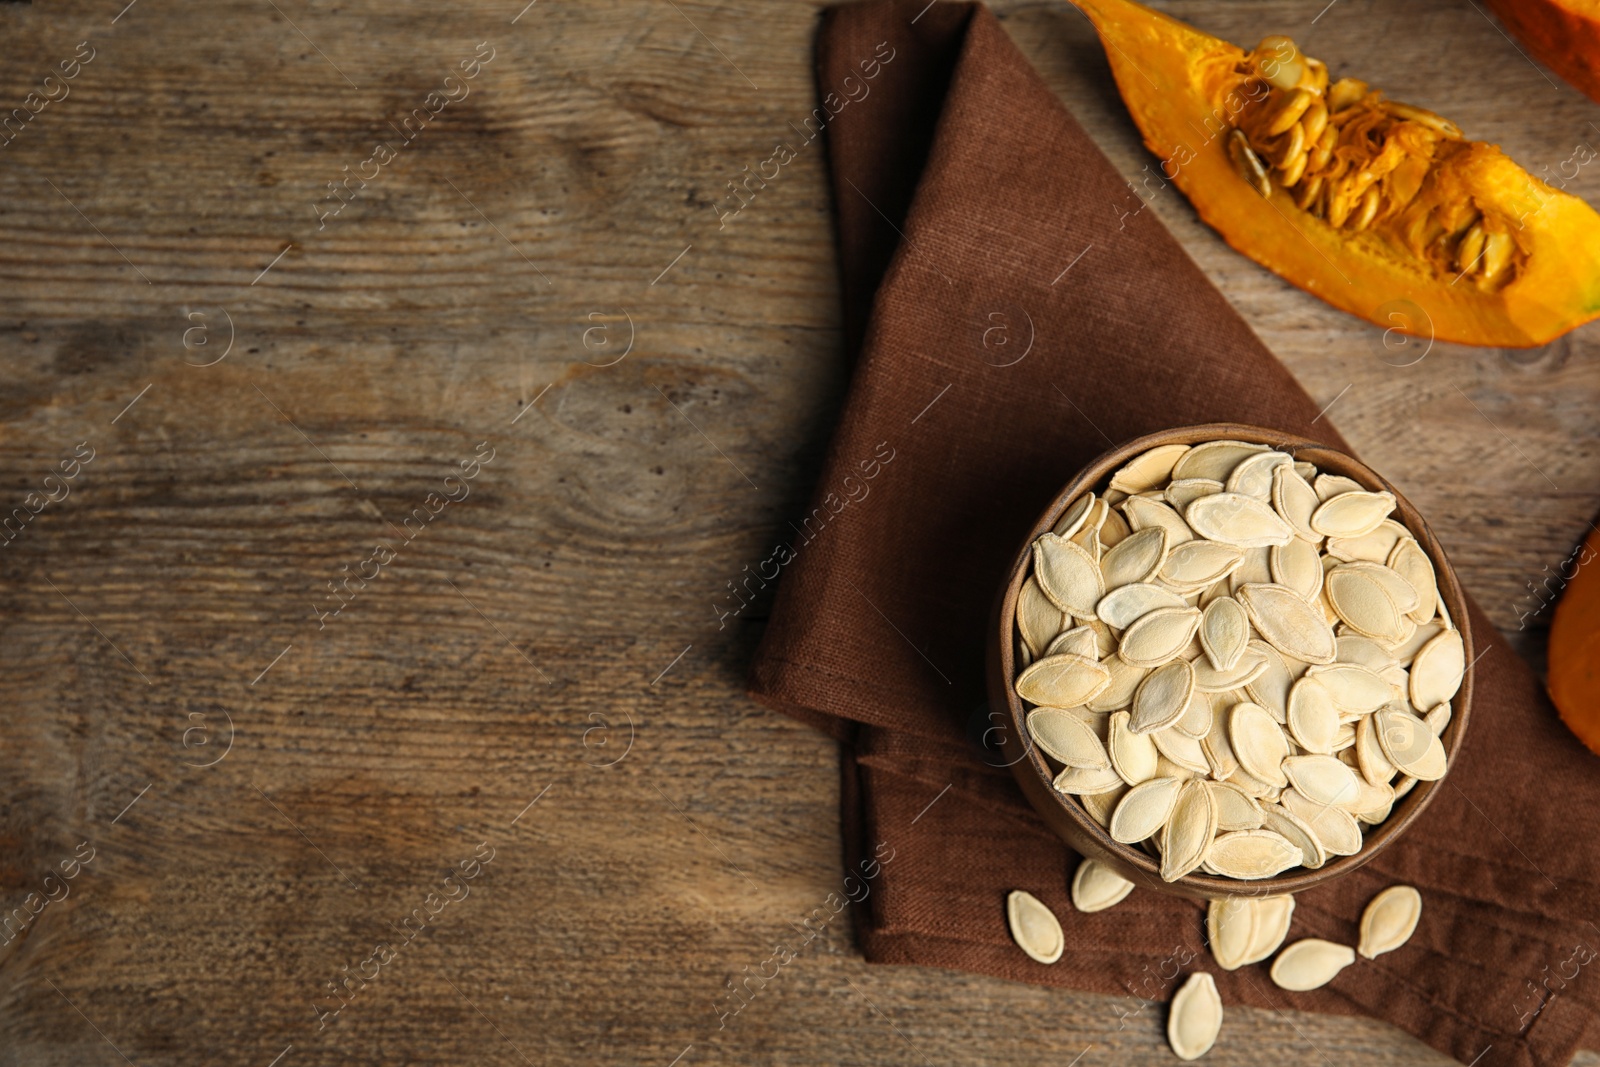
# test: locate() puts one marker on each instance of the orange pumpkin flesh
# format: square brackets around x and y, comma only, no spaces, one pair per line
[1574,654]
[1562,34]
[1412,227]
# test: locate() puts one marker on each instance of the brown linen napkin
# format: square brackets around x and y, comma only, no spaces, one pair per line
[1025,316]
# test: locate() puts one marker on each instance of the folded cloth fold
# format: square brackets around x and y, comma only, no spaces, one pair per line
[1015,317]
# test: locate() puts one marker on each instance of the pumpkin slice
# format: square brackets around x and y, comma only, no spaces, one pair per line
[1574,655]
[1562,34]
[1382,209]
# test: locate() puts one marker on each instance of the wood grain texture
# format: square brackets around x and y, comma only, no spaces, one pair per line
[513,648]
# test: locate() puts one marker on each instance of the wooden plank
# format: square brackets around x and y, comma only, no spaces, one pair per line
[549,636]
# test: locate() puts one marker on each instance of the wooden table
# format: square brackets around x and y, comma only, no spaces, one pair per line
[267,788]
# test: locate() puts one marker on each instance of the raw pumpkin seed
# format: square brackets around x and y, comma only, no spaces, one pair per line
[1073,517]
[1064,737]
[1188,833]
[1235,808]
[1124,606]
[1181,749]
[1389,920]
[1252,854]
[1258,743]
[1296,565]
[1437,671]
[1064,681]
[1253,475]
[1034,927]
[1136,558]
[1118,693]
[1183,493]
[1310,964]
[1132,755]
[1224,633]
[1038,618]
[1195,1019]
[1197,564]
[1272,926]
[1321,779]
[1288,623]
[1363,604]
[1158,636]
[1144,810]
[1230,928]
[1297,832]
[1313,719]
[1295,501]
[1148,470]
[1067,574]
[1096,887]
[1236,519]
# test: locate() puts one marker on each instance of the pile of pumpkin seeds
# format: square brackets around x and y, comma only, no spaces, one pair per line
[1235,662]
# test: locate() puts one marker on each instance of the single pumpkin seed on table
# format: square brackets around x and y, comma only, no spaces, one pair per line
[1034,927]
[1310,964]
[1389,920]
[1195,1018]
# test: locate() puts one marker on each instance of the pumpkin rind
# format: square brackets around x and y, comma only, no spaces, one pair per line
[1574,652]
[1564,35]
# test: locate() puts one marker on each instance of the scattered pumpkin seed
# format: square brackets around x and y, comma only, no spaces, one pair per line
[1034,927]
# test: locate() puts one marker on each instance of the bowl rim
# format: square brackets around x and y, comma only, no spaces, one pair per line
[1092,477]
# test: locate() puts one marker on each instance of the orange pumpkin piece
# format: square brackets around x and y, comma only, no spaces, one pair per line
[1562,34]
[1574,653]
[1382,209]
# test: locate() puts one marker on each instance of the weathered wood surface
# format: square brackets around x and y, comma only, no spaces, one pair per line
[501,655]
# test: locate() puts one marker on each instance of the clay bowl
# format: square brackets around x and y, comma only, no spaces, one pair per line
[1066,816]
